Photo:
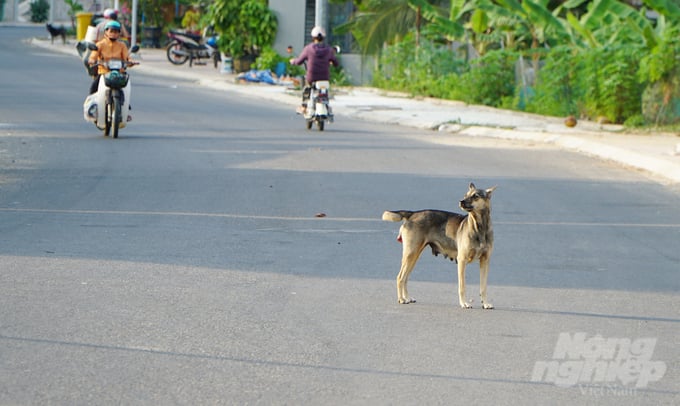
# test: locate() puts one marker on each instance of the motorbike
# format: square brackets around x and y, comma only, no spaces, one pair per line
[108,108]
[185,47]
[318,107]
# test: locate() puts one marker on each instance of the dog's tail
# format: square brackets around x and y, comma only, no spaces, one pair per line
[396,215]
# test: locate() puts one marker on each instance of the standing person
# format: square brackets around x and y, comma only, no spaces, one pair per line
[318,56]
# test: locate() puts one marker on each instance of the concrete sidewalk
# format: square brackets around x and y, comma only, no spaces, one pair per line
[658,154]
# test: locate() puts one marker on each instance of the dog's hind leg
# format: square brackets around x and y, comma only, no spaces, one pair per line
[411,253]
[483,275]
[461,283]
[407,265]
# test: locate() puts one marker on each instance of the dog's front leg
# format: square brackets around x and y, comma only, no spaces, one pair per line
[483,275]
[461,284]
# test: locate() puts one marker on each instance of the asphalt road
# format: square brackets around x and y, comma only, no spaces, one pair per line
[184,263]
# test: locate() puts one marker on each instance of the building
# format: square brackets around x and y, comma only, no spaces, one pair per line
[297,18]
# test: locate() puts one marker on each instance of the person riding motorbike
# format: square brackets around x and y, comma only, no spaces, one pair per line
[110,15]
[318,56]
[109,48]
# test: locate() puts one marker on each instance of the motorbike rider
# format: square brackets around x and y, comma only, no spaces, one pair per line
[109,48]
[109,15]
[318,56]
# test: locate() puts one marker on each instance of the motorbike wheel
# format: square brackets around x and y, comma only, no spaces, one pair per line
[320,125]
[107,120]
[216,59]
[174,58]
[309,124]
[115,116]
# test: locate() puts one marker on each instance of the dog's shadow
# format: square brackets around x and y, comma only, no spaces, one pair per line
[582,314]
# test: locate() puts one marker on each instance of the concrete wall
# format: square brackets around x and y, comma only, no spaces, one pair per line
[360,71]
[291,17]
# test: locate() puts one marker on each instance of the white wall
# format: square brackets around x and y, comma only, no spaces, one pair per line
[291,17]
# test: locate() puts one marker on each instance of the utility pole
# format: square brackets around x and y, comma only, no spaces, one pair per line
[133,34]
[321,14]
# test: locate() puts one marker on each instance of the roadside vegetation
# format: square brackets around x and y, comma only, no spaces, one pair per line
[612,61]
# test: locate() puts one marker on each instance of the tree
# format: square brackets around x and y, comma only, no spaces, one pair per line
[379,22]
[608,22]
[245,27]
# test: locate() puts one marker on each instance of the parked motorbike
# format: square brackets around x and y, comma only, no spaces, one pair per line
[109,107]
[318,107]
[185,47]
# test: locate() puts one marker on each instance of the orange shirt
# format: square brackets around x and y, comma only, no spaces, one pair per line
[107,49]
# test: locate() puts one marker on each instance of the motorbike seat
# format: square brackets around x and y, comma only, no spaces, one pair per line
[322,84]
[195,37]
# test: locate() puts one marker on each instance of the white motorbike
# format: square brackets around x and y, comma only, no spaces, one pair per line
[109,107]
[318,107]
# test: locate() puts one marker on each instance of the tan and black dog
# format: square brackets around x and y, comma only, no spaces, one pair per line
[463,238]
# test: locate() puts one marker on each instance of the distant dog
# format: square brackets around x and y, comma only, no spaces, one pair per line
[463,238]
[56,32]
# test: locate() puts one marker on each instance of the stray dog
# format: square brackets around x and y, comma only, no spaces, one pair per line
[463,238]
[56,32]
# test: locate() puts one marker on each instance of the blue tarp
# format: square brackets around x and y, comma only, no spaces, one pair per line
[258,76]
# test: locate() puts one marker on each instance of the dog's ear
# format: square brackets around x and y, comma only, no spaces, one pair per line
[490,190]
[472,186]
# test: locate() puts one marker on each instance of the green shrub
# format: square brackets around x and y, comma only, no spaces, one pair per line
[40,10]
[660,72]
[416,70]
[338,75]
[489,80]
[593,83]
[635,121]
[609,84]
[555,91]
[268,59]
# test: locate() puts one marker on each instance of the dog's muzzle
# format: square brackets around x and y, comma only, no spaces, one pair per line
[465,205]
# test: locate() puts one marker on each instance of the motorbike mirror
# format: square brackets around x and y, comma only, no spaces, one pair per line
[337,49]
[134,48]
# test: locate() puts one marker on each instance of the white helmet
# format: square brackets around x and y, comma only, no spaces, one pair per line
[110,14]
[318,32]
